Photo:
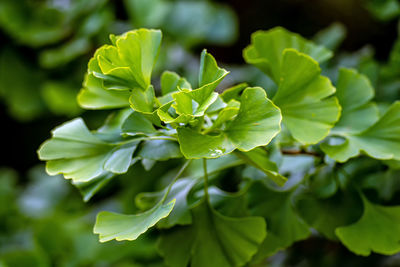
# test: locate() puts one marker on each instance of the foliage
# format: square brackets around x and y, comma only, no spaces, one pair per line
[295,158]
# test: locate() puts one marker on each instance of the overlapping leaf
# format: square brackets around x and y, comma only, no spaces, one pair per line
[80,155]
[110,225]
[304,97]
[378,230]
[116,69]
[212,240]
[189,103]
[354,92]
[284,226]
[267,47]
[303,94]
[380,141]
[256,123]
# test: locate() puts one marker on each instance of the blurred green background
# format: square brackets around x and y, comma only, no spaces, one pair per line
[44,49]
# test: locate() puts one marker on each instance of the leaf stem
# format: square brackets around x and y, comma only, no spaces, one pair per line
[205,178]
[179,174]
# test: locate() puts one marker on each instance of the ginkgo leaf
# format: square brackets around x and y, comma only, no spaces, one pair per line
[80,155]
[130,62]
[143,100]
[304,97]
[354,92]
[380,141]
[94,96]
[110,225]
[257,122]
[195,145]
[170,82]
[233,93]
[284,225]
[212,240]
[196,102]
[136,123]
[265,51]
[165,115]
[378,230]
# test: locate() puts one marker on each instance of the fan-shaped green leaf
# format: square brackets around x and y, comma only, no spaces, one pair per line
[170,82]
[212,240]
[196,102]
[78,154]
[127,64]
[304,98]
[265,51]
[256,123]
[380,141]
[378,230]
[120,227]
[94,96]
[354,92]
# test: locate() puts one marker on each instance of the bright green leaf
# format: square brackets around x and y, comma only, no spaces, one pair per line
[380,141]
[94,96]
[120,227]
[378,230]
[354,92]
[303,96]
[78,154]
[170,82]
[256,123]
[265,51]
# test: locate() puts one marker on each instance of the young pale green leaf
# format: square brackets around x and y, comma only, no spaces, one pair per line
[196,102]
[284,226]
[94,96]
[171,82]
[78,154]
[129,62]
[380,141]
[226,114]
[233,93]
[210,75]
[354,92]
[143,100]
[212,240]
[378,230]
[165,115]
[257,122]
[304,98]
[265,51]
[120,227]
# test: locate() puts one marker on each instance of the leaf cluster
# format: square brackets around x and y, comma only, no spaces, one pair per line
[295,159]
